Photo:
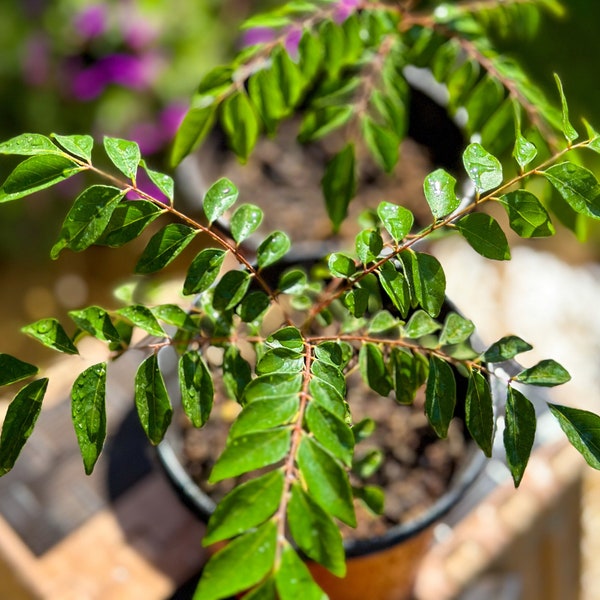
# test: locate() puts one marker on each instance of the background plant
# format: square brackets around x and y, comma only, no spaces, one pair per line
[375,308]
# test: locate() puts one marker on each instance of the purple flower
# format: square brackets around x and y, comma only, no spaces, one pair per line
[344,9]
[36,66]
[91,21]
[292,40]
[257,35]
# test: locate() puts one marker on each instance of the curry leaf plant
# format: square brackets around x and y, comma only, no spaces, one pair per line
[378,310]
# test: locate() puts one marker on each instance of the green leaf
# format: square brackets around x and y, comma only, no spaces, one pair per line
[484,235]
[219,198]
[456,329]
[519,432]
[582,429]
[395,286]
[280,360]
[409,373]
[326,480]
[152,400]
[246,506]
[196,386]
[51,334]
[331,431]
[382,142]
[293,281]
[88,218]
[78,145]
[266,95]
[440,193]
[368,245]
[142,317]
[236,373]
[570,132]
[479,412]
[315,532]
[29,144]
[420,324]
[12,369]
[37,173]
[162,181]
[164,247]
[19,421]
[253,305]
[546,373]
[174,315]
[252,554]
[88,412]
[97,322]
[426,279]
[240,123]
[578,186]
[268,413]
[245,221]
[330,374]
[397,220]
[339,185]
[506,348]
[484,170]
[251,451]
[357,301]
[128,221]
[203,270]
[293,579]
[272,248]
[524,151]
[321,122]
[372,497]
[327,396]
[528,218]
[230,289]
[195,126]
[440,395]
[341,265]
[383,322]
[273,385]
[125,155]
[368,464]
[287,337]
[337,354]
[373,369]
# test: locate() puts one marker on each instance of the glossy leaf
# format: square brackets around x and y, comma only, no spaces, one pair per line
[420,324]
[88,413]
[339,185]
[196,386]
[484,169]
[484,235]
[88,218]
[272,248]
[280,360]
[21,415]
[289,79]
[519,432]
[383,322]
[293,579]
[272,385]
[368,245]
[327,396]
[337,354]
[315,532]
[252,554]
[528,218]
[164,247]
[456,329]
[331,432]
[268,413]
[287,337]
[440,395]
[395,286]
[382,142]
[97,322]
[267,97]
[578,186]
[479,412]
[77,145]
[524,151]
[162,181]
[547,373]
[506,348]
[124,154]
[143,318]
[409,373]
[372,497]
[439,188]
[236,373]
[397,220]
[128,220]
[29,144]
[321,122]
[326,480]
[50,333]
[356,301]
[219,198]
[173,314]
[245,221]
[426,279]
[582,428]
[152,400]
[37,173]
[246,506]
[341,265]
[194,128]
[570,132]
[240,122]
[251,451]
[253,305]
[203,270]
[373,369]
[293,281]
[230,289]
[12,369]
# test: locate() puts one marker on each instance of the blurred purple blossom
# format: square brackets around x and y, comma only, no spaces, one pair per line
[36,66]
[344,9]
[152,136]
[91,21]
[257,35]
